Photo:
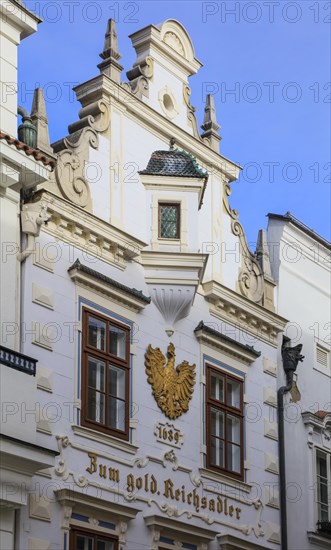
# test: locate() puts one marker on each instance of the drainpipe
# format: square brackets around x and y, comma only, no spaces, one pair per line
[291,358]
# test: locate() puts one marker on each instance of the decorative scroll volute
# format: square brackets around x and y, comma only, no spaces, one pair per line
[191,111]
[250,279]
[73,152]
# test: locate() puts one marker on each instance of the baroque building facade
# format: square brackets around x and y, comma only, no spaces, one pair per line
[149,326]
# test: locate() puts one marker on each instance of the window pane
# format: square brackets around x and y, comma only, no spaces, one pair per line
[96,333]
[169,222]
[84,543]
[217,386]
[217,452]
[321,465]
[116,382]
[233,396]
[233,429]
[217,423]
[117,344]
[233,458]
[116,414]
[96,374]
[96,406]
[105,545]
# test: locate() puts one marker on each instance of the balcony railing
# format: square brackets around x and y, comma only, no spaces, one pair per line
[324,528]
[17,361]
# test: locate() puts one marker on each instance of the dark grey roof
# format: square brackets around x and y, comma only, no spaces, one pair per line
[133,291]
[288,217]
[210,330]
[174,163]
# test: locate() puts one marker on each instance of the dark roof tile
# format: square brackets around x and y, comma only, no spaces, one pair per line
[174,163]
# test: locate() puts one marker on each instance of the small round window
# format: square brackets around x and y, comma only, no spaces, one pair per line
[168,105]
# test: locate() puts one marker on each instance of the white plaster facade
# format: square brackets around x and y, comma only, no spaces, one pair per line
[149,490]
[300,263]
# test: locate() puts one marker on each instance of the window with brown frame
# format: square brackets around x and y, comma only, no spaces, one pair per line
[169,220]
[105,375]
[224,414]
[83,539]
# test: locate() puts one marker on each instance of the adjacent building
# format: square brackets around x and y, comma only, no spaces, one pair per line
[300,261]
[21,168]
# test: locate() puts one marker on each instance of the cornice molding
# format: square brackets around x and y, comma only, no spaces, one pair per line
[79,500]
[229,542]
[231,307]
[117,292]
[89,233]
[210,337]
[318,424]
[174,261]
[173,527]
[319,540]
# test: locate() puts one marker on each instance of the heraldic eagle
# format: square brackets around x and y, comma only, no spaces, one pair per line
[172,387]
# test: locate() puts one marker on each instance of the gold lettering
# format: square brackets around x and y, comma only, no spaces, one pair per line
[139,483]
[114,474]
[153,485]
[238,512]
[219,505]
[189,498]
[183,493]
[203,503]
[130,483]
[196,500]
[212,505]
[226,506]
[231,510]
[102,471]
[177,494]
[93,463]
[168,489]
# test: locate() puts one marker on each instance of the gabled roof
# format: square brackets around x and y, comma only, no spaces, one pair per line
[174,163]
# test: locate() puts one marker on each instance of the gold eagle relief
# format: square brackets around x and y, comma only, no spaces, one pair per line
[172,386]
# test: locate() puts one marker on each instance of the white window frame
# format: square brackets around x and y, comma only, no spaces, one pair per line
[319,450]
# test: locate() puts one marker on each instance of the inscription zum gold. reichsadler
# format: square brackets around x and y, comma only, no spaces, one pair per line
[148,483]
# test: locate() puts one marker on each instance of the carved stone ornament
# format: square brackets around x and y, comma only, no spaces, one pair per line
[191,111]
[174,42]
[73,153]
[33,216]
[172,386]
[138,77]
[250,279]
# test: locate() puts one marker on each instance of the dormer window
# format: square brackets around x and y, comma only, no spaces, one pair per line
[169,220]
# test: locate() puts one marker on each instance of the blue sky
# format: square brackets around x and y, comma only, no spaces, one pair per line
[273,55]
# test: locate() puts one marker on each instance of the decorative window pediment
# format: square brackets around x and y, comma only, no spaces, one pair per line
[319,428]
[78,505]
[178,531]
[87,277]
[215,339]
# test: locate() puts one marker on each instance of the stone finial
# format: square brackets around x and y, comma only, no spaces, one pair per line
[40,121]
[210,126]
[110,54]
[262,254]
